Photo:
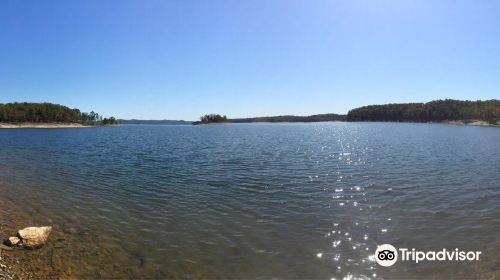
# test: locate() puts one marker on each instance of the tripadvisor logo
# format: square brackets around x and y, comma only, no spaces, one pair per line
[387,255]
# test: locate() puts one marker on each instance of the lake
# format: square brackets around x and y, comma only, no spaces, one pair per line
[256,200]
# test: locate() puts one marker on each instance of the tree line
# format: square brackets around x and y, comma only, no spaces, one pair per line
[435,111]
[48,112]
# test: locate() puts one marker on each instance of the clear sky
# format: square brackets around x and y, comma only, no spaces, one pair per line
[179,59]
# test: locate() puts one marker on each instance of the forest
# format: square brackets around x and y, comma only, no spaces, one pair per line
[434,111]
[49,113]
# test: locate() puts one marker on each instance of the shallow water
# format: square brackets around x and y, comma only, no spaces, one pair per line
[258,200]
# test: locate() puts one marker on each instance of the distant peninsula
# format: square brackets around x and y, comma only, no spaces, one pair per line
[155,122]
[444,111]
[215,118]
[48,115]
[291,118]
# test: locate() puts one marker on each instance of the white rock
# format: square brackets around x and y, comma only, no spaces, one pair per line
[34,237]
[13,240]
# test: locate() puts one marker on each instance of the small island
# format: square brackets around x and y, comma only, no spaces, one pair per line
[48,115]
[212,118]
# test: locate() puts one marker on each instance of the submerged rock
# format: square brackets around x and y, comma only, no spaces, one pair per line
[6,248]
[34,237]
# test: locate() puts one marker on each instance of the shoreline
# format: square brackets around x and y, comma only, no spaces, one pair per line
[472,122]
[454,122]
[42,125]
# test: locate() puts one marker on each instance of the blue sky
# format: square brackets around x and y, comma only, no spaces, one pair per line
[179,59]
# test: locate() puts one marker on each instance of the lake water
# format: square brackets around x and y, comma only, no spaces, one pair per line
[256,200]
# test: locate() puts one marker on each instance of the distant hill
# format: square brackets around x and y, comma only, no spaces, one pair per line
[154,122]
[434,111]
[290,118]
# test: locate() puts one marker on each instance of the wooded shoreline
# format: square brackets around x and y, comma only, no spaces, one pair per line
[438,111]
[36,114]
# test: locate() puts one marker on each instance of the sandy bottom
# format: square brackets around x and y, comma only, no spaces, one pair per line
[42,125]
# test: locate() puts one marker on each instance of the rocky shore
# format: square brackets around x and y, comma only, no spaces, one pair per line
[27,262]
[30,238]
